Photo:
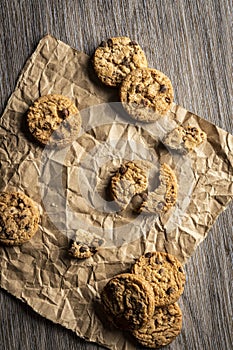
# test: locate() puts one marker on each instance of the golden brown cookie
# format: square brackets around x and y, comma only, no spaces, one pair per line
[164,197]
[19,218]
[129,301]
[117,57]
[185,138]
[54,119]
[146,94]
[165,274]
[162,328]
[129,180]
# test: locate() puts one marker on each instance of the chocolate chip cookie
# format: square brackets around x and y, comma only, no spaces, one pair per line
[165,274]
[185,138]
[19,218]
[54,119]
[129,301]
[164,197]
[129,180]
[115,58]
[146,94]
[162,328]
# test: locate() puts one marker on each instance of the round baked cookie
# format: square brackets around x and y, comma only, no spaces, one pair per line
[54,119]
[165,274]
[19,218]
[129,180]
[146,94]
[117,57]
[164,197]
[162,328]
[128,300]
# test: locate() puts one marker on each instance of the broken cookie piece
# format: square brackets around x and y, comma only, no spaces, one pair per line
[164,197]
[84,244]
[81,250]
[185,138]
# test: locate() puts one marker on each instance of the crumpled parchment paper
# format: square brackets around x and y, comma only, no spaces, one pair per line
[70,187]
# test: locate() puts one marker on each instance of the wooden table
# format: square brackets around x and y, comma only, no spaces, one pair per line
[190,41]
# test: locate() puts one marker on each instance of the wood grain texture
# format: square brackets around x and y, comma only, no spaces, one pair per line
[191,42]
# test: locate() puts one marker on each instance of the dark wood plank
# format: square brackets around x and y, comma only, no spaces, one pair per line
[189,40]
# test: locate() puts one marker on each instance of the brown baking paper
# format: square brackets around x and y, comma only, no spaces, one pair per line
[70,187]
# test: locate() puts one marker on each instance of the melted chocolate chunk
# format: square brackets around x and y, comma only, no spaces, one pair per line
[170,290]
[110,43]
[157,261]
[133,43]
[63,113]
[83,249]
[163,88]
[103,44]
[123,169]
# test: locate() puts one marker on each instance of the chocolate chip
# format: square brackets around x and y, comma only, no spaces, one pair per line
[144,102]
[46,126]
[161,270]
[110,43]
[133,43]
[157,261]
[101,241]
[160,205]
[125,62]
[27,227]
[138,89]
[180,269]
[103,44]
[83,249]
[163,88]
[63,113]
[170,290]
[72,242]
[93,250]
[123,169]
[148,255]
[167,99]
[137,201]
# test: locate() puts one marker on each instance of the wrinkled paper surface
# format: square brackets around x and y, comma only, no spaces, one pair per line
[69,185]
